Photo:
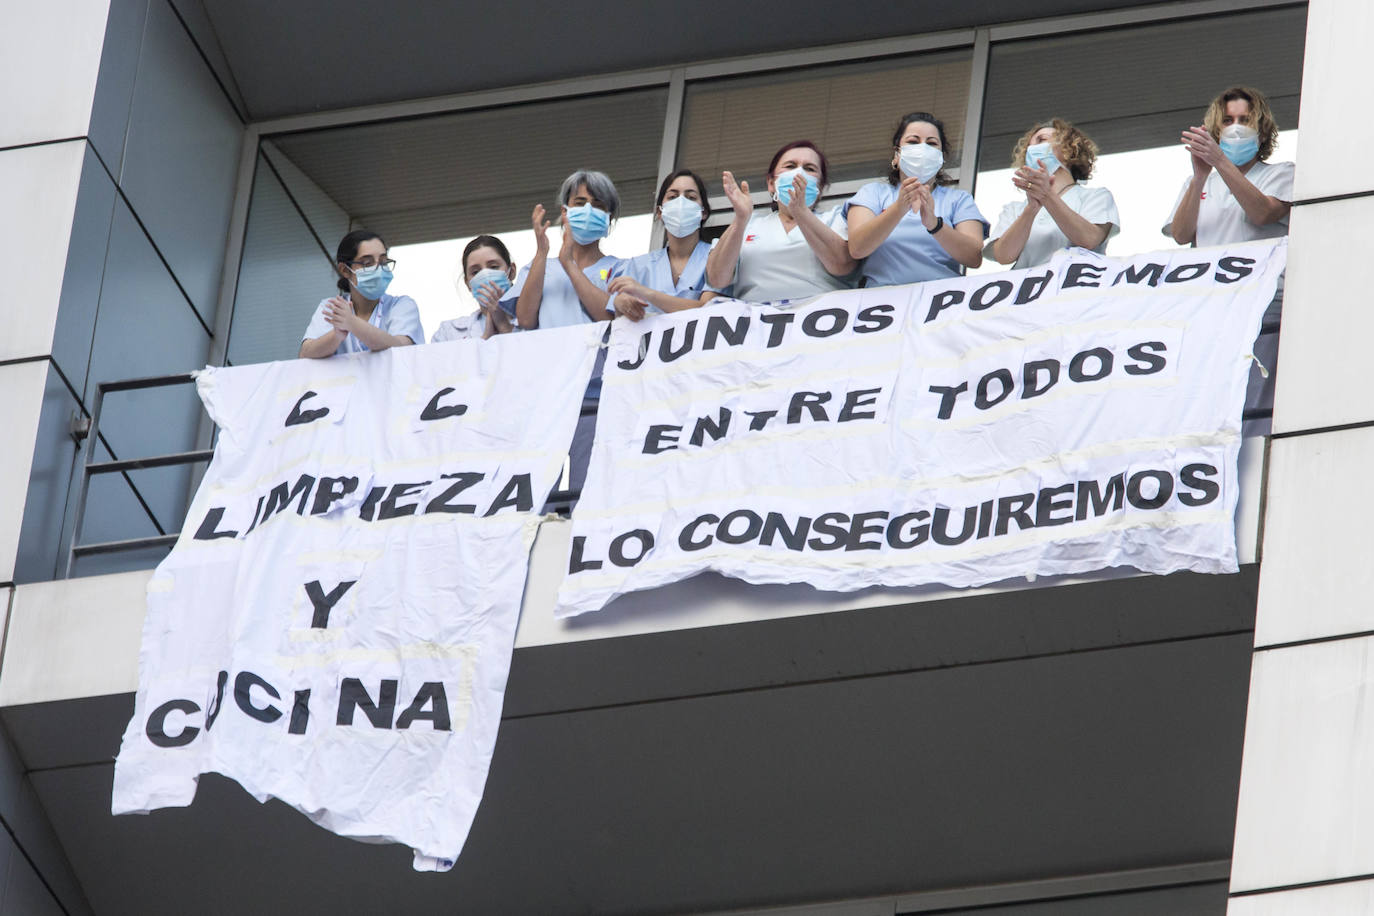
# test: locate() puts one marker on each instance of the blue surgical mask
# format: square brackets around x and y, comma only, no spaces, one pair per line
[1239,143]
[496,278]
[681,217]
[372,281]
[1042,152]
[783,187]
[920,161]
[588,224]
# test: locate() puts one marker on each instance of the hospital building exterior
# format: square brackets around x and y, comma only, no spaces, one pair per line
[174,176]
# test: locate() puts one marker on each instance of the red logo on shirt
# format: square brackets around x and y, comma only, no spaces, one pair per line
[1204,196]
[750,238]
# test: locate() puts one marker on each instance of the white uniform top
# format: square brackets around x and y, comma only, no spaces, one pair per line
[464,327]
[1220,218]
[398,315]
[559,306]
[776,264]
[1096,205]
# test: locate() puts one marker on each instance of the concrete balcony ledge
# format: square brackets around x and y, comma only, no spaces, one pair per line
[76,638]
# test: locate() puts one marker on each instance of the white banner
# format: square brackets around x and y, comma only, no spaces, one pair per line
[1048,421]
[334,626]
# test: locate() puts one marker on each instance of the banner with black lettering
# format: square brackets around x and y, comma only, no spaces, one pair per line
[334,626]
[1048,421]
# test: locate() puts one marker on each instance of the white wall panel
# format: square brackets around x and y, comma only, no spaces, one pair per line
[1327,322]
[49,59]
[1333,159]
[73,638]
[1353,899]
[1316,579]
[38,186]
[22,384]
[1306,810]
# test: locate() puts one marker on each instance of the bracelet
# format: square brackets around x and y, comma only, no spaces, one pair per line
[939,224]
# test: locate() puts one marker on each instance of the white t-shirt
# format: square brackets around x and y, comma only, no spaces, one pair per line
[398,315]
[777,264]
[1096,205]
[464,327]
[1220,218]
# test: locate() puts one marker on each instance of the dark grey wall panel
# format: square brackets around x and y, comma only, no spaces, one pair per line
[1208,899]
[181,158]
[203,32]
[85,269]
[1054,766]
[22,892]
[41,533]
[114,88]
[283,276]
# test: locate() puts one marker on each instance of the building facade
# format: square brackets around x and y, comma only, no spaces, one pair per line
[176,174]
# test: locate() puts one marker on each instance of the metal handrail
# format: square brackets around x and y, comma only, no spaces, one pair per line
[560,502]
[90,469]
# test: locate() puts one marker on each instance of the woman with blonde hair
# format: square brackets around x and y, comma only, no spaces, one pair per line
[1051,159]
[1236,194]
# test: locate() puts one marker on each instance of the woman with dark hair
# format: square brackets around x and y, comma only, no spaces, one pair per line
[487,273]
[914,226]
[672,278]
[570,289]
[362,317]
[1236,194]
[1050,160]
[791,252]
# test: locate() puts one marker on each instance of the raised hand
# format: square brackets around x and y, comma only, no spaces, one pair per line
[923,204]
[565,251]
[796,196]
[1036,182]
[540,227]
[488,295]
[338,311]
[1207,155]
[907,194]
[738,195]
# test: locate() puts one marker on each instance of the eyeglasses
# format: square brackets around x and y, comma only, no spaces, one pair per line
[369,262]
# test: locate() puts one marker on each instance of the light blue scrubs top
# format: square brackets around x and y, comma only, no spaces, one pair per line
[560,306]
[398,315]
[909,254]
[655,271]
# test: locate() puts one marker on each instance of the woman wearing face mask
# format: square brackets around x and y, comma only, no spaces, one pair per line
[914,226]
[672,278]
[362,317]
[570,289]
[1236,194]
[789,253]
[488,272]
[1058,212]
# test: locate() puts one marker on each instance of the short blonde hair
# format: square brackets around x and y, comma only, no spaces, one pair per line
[1080,152]
[1261,117]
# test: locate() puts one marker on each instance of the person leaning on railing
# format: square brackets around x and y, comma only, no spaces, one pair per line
[362,317]
[487,273]
[571,289]
[673,278]
[1058,212]
[914,226]
[1236,194]
[792,252]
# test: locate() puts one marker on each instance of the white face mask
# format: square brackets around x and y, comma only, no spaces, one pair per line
[681,217]
[920,161]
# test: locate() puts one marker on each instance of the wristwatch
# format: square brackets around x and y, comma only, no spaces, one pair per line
[939,224]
